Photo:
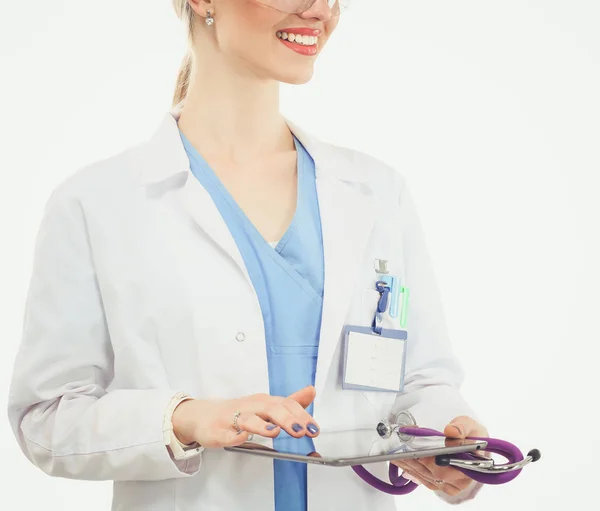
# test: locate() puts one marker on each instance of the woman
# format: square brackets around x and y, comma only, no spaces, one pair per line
[193,290]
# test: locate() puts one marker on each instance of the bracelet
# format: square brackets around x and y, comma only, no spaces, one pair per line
[180,450]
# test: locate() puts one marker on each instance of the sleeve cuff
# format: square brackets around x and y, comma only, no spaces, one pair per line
[468,493]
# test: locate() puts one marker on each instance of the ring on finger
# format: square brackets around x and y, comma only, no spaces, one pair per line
[439,481]
[236,416]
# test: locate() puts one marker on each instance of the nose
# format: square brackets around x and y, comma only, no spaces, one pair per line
[320,10]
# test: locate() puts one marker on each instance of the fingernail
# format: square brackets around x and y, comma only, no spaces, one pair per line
[297,428]
[411,478]
[271,427]
[312,428]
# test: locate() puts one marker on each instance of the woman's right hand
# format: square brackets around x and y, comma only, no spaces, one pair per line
[210,422]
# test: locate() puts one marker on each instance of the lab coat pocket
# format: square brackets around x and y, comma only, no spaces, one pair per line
[380,403]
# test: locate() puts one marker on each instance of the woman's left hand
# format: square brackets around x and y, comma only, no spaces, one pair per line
[446,479]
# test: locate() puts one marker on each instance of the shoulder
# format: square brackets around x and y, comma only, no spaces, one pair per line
[98,181]
[348,164]
[362,169]
[101,189]
[375,171]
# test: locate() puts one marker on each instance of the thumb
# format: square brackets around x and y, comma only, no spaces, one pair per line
[304,396]
[462,427]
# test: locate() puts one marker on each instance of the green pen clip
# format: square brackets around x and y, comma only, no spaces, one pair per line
[404,309]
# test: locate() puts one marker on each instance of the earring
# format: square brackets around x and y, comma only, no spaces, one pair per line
[209,19]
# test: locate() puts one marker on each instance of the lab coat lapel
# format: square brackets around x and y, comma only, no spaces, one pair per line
[165,164]
[200,207]
[347,218]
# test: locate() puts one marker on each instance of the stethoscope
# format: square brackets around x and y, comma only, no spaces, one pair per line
[477,467]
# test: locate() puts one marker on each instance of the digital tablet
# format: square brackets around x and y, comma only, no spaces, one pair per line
[347,448]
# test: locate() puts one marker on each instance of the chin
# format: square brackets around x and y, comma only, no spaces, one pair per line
[294,77]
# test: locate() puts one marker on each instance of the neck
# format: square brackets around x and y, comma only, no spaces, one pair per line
[233,113]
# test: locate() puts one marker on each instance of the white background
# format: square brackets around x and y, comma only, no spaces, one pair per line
[490,109]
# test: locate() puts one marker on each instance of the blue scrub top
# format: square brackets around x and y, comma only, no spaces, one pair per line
[288,280]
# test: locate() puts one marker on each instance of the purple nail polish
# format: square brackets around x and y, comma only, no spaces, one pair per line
[312,428]
[271,427]
[297,428]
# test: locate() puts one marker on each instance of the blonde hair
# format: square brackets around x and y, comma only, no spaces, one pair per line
[186,15]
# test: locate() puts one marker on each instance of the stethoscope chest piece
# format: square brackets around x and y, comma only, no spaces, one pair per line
[385,429]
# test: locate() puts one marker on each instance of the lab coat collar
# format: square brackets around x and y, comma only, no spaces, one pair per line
[164,153]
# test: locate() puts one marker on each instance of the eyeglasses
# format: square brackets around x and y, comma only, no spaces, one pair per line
[299,6]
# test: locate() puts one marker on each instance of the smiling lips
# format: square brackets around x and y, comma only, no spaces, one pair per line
[301,40]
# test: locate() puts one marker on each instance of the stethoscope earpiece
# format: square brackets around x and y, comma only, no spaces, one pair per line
[442,461]
[535,455]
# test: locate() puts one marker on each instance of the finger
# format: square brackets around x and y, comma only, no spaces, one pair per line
[433,484]
[414,471]
[454,430]
[454,481]
[227,438]
[303,417]
[415,467]
[288,413]
[281,416]
[463,427]
[463,483]
[421,472]
[449,474]
[449,489]
[416,478]
[304,396]
[252,423]
[270,408]
[456,487]
[440,484]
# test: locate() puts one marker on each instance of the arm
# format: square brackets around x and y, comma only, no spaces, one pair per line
[434,375]
[64,419]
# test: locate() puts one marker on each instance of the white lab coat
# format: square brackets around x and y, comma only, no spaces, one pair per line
[138,292]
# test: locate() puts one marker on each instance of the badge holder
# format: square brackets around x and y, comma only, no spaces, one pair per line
[375,357]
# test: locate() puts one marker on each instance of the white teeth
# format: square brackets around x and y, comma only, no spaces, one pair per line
[307,40]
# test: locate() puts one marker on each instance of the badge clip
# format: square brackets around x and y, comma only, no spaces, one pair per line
[384,293]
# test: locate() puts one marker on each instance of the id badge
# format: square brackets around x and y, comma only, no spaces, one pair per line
[374,361]
[375,357]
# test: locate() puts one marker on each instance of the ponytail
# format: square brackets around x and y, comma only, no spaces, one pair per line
[185,14]
[183,79]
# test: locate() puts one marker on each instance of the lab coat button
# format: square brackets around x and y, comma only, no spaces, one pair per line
[240,337]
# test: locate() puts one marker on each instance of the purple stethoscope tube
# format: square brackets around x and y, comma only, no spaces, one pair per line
[477,468]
